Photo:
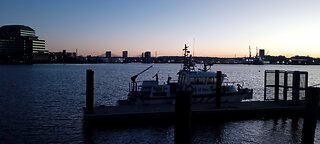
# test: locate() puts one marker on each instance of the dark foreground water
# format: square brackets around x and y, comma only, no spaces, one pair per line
[43,104]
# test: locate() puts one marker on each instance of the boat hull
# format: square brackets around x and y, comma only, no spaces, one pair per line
[225,98]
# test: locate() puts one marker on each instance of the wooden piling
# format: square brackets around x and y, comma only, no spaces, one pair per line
[306,80]
[89,91]
[182,131]
[218,89]
[296,87]
[265,86]
[285,86]
[310,117]
[276,86]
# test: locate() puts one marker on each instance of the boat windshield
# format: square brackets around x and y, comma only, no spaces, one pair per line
[202,80]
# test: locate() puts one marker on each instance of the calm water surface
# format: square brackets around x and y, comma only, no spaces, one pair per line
[43,104]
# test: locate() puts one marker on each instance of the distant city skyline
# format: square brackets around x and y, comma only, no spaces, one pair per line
[211,28]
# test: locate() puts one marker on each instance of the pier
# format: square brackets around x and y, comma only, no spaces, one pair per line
[165,114]
[303,101]
[275,104]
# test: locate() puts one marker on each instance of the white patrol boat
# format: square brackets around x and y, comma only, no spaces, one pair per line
[203,83]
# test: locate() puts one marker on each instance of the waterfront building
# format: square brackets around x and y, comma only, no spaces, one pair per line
[108,54]
[63,57]
[261,53]
[147,54]
[124,54]
[19,43]
[147,57]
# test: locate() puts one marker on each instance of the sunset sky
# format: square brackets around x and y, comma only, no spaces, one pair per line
[223,28]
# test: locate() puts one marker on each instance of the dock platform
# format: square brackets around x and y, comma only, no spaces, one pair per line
[165,114]
[273,106]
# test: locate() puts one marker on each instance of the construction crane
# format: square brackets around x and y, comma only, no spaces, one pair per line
[249,52]
[133,78]
[267,52]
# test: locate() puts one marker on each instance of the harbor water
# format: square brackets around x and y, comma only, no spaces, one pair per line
[43,103]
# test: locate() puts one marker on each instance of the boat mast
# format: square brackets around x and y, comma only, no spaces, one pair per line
[187,62]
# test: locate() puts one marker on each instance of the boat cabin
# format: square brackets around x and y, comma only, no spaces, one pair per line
[152,89]
[202,83]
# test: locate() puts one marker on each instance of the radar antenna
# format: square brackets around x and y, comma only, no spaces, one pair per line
[187,63]
[186,52]
[206,66]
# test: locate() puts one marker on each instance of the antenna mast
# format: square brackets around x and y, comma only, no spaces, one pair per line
[186,52]
[187,64]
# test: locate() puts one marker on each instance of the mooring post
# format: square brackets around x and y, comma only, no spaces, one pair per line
[182,131]
[218,89]
[285,86]
[276,86]
[310,116]
[265,85]
[306,80]
[296,87]
[89,92]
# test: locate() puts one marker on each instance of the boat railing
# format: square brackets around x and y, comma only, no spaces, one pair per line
[137,85]
[173,81]
[233,83]
[133,86]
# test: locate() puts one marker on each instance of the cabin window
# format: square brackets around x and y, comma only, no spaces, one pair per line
[157,89]
[193,81]
[201,80]
[210,80]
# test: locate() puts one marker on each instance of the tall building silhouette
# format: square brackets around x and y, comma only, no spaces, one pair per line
[108,54]
[147,54]
[124,54]
[147,57]
[261,53]
[20,43]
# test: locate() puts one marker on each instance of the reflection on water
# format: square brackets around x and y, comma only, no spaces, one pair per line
[280,130]
[43,104]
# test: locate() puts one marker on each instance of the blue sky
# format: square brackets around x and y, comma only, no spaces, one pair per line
[215,27]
